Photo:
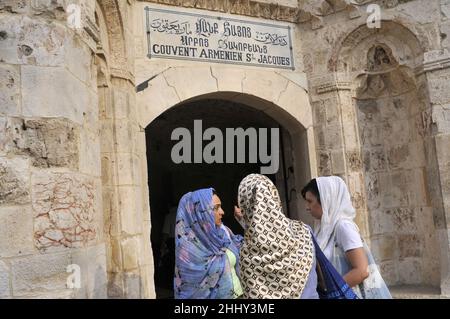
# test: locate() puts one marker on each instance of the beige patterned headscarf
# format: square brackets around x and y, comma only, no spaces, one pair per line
[277,254]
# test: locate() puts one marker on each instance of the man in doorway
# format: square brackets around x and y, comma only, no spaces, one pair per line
[167,264]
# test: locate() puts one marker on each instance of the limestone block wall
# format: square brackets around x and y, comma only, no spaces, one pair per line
[51,212]
[281,94]
[73,166]
[437,63]
[123,157]
[372,102]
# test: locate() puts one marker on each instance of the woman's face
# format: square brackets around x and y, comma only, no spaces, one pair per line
[313,206]
[218,211]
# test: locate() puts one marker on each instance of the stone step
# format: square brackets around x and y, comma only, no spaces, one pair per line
[416,292]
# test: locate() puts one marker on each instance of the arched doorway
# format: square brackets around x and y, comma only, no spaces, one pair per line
[168,181]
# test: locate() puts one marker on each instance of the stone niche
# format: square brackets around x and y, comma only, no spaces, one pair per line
[394,166]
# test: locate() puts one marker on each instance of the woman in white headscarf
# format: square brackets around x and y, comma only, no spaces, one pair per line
[328,201]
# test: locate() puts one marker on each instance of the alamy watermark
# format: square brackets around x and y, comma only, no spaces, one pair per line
[374,19]
[213,152]
[73,16]
[73,11]
[74,279]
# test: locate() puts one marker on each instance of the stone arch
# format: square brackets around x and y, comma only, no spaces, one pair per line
[349,52]
[275,93]
[283,99]
[116,39]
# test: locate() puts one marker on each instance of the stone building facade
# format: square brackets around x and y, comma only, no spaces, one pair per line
[369,104]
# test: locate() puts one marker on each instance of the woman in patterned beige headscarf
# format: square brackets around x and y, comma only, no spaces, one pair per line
[277,256]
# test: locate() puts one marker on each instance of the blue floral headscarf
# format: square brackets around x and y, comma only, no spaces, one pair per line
[202,269]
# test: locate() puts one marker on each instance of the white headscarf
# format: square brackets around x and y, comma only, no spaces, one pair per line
[336,206]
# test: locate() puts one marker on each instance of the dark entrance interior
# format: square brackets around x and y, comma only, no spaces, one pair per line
[168,181]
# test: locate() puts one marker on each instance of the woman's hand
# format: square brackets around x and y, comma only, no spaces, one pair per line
[238,213]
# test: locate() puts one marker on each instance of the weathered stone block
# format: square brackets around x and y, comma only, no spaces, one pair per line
[396,133]
[14,6]
[348,109]
[16,231]
[3,136]
[122,106]
[54,92]
[128,169]
[319,113]
[130,204]
[350,135]
[97,280]
[162,97]
[319,137]
[186,88]
[116,287]
[395,183]
[333,137]
[49,142]
[389,272]
[324,163]
[404,220]
[31,41]
[355,185]
[64,210]
[295,101]
[9,90]
[416,189]
[354,160]
[384,248]
[5,290]
[368,112]
[89,155]
[78,60]
[398,108]
[114,255]
[441,119]
[332,110]
[109,177]
[132,285]
[410,271]
[380,222]
[130,251]
[125,133]
[371,136]
[373,191]
[228,79]
[14,181]
[40,274]
[374,159]
[264,84]
[398,156]
[338,162]
[439,86]
[410,246]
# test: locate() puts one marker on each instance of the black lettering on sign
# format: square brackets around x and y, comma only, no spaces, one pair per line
[205,28]
[236,30]
[173,50]
[193,41]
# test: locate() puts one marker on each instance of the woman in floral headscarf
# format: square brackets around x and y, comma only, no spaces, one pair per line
[206,251]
